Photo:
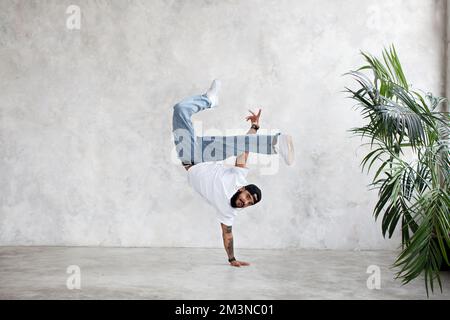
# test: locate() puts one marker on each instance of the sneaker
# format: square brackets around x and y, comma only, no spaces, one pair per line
[285,148]
[213,93]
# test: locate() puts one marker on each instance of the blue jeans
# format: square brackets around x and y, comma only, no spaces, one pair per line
[192,149]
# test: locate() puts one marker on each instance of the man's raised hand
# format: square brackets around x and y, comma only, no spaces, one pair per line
[254,118]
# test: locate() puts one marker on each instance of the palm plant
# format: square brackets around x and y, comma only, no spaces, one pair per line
[413,193]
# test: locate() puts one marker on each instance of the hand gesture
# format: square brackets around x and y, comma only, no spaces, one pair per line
[254,118]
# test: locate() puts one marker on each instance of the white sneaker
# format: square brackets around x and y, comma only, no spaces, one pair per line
[285,148]
[213,93]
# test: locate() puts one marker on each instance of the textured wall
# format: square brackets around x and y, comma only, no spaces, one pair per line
[447,54]
[85,115]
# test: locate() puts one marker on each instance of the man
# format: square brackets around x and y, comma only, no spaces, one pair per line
[224,187]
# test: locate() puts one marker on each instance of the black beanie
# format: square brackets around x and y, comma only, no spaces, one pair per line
[254,191]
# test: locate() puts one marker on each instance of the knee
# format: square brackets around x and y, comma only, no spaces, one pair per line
[178,108]
[181,112]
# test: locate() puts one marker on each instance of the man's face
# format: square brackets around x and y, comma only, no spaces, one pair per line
[244,199]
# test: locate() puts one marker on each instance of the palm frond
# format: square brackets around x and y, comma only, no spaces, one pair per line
[415,194]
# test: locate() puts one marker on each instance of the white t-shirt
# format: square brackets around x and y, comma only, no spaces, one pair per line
[217,183]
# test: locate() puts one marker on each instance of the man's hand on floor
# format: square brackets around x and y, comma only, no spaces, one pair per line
[236,263]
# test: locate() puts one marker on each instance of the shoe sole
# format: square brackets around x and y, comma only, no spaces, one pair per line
[215,96]
[290,147]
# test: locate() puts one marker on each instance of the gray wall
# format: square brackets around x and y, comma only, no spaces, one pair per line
[86,146]
[447,54]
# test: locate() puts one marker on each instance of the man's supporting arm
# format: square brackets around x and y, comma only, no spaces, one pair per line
[227,235]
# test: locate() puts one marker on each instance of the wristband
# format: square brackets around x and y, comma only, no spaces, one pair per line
[232,259]
[254,126]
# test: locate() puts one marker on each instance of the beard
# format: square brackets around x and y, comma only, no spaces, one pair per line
[233,199]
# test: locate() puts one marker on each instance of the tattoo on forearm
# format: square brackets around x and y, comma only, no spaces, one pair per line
[229,248]
[228,229]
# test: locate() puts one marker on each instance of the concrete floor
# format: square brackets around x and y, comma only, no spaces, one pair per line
[188,273]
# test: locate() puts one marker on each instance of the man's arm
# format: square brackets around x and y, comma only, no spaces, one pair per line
[227,235]
[241,160]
